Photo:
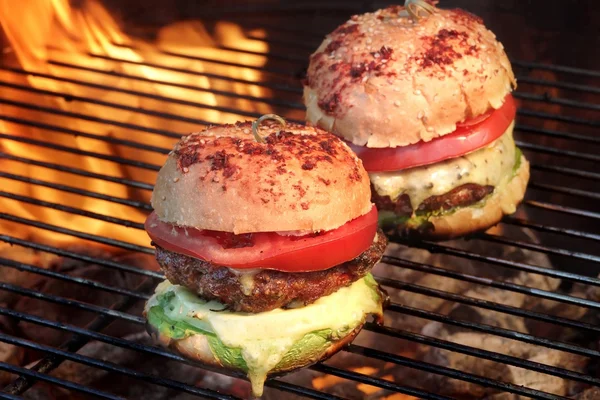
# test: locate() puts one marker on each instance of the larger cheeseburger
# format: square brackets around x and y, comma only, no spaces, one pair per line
[424,97]
[267,243]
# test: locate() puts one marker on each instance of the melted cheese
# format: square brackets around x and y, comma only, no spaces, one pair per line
[486,166]
[264,338]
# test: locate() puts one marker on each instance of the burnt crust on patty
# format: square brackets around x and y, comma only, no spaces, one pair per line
[270,289]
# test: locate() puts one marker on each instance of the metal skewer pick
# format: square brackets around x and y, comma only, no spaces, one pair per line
[418,9]
[256,125]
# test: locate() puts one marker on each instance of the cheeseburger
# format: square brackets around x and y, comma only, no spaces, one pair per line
[266,241]
[423,95]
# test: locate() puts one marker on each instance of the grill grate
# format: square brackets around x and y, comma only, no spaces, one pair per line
[561,208]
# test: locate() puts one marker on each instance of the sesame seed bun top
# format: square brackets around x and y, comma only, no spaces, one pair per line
[384,80]
[300,179]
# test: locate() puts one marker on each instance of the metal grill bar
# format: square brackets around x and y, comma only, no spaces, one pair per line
[84,117]
[553,273]
[56,381]
[81,192]
[551,229]
[369,380]
[64,277]
[564,209]
[131,92]
[572,192]
[557,117]
[116,159]
[493,330]
[557,68]
[270,101]
[75,343]
[108,366]
[557,134]
[81,257]
[73,210]
[488,355]
[540,248]
[74,233]
[103,103]
[489,305]
[77,171]
[9,396]
[277,71]
[71,303]
[560,85]
[102,138]
[559,152]
[451,373]
[287,88]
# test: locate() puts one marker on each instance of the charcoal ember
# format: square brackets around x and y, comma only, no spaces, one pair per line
[83,293]
[20,278]
[12,355]
[46,391]
[469,267]
[589,394]
[574,312]
[121,385]
[494,370]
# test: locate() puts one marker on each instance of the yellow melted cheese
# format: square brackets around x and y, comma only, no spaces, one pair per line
[264,338]
[486,166]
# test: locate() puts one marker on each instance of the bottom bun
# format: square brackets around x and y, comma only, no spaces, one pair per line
[261,344]
[463,221]
[196,348]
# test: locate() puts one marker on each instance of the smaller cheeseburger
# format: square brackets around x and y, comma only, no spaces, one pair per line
[424,97]
[267,242]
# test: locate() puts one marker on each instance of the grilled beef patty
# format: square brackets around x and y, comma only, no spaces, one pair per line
[265,289]
[462,196]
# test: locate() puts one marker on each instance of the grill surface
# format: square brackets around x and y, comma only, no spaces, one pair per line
[558,116]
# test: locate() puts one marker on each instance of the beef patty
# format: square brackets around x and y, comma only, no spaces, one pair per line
[265,290]
[462,196]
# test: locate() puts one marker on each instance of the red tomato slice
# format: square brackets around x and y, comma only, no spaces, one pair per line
[468,136]
[268,250]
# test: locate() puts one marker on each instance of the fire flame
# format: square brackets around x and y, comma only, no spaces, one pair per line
[63,44]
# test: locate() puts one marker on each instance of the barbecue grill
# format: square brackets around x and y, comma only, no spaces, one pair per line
[509,313]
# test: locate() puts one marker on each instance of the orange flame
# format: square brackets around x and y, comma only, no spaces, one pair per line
[69,47]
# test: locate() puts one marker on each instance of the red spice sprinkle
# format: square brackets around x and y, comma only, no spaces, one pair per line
[333,46]
[345,29]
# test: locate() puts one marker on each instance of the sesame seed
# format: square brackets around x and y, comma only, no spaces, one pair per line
[397,103]
[175,179]
[186,169]
[420,115]
[216,179]
[418,92]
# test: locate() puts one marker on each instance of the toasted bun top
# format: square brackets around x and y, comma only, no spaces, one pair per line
[222,179]
[382,80]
